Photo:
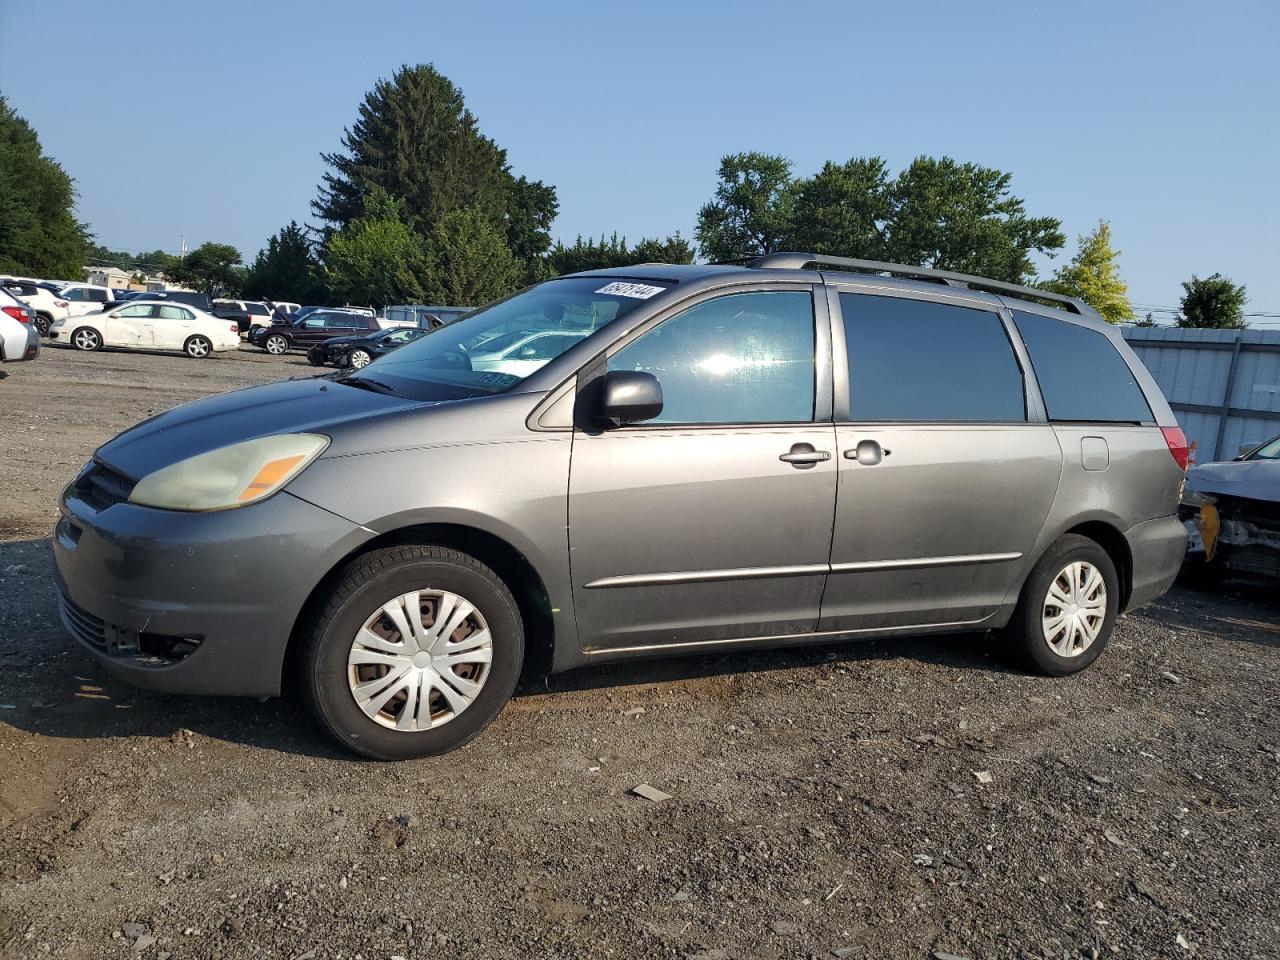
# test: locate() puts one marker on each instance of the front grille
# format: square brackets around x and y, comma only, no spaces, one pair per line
[102,487]
[83,625]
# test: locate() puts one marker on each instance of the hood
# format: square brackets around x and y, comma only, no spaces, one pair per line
[292,406]
[1252,479]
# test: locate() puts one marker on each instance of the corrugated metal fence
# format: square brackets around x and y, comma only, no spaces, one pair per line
[1224,385]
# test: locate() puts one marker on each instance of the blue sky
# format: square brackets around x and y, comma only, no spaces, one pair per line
[208,119]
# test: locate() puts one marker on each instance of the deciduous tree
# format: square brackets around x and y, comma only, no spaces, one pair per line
[750,214]
[210,268]
[963,217]
[377,258]
[843,209]
[1093,275]
[39,234]
[1212,302]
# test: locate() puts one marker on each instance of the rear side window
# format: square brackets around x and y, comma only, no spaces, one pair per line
[919,360]
[1081,375]
[255,307]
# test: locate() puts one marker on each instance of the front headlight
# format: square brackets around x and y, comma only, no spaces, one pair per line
[231,476]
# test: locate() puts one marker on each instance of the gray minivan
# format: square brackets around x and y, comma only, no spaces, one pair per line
[641,461]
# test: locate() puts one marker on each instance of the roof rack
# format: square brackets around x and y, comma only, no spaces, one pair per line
[798,261]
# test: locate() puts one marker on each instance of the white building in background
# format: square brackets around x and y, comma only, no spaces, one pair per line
[112,277]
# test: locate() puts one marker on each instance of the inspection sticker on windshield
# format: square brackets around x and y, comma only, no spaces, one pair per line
[640,291]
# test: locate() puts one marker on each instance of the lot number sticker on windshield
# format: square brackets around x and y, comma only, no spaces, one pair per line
[640,291]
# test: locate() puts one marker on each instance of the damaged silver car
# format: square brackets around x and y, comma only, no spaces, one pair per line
[1232,514]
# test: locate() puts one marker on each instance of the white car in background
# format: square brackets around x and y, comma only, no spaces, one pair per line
[85,298]
[19,336]
[520,352]
[47,305]
[150,325]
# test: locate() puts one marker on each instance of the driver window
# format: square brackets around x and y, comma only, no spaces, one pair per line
[744,358]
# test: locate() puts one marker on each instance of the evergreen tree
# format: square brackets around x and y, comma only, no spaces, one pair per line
[591,254]
[531,209]
[39,234]
[415,140]
[287,269]
[468,262]
[1093,276]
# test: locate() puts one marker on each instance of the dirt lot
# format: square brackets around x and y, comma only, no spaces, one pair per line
[876,800]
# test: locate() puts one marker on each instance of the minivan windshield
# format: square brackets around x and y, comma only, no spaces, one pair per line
[494,348]
[1268,451]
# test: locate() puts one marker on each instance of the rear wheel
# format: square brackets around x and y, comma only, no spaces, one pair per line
[1067,609]
[86,338]
[276,344]
[359,359]
[198,347]
[43,323]
[417,649]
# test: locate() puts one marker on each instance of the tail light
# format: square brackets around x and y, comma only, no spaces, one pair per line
[235,328]
[17,313]
[1177,441]
[60,304]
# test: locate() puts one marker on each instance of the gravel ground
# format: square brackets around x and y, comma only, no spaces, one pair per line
[908,799]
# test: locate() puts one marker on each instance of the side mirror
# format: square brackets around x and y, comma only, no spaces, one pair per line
[630,396]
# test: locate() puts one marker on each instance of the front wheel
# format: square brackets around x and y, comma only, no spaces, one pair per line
[197,347]
[275,344]
[314,357]
[416,651]
[1067,609]
[86,338]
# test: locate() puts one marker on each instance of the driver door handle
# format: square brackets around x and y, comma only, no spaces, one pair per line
[802,456]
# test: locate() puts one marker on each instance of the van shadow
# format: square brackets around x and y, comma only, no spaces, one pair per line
[51,687]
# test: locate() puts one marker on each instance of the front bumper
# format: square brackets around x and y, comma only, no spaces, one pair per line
[193,602]
[1157,548]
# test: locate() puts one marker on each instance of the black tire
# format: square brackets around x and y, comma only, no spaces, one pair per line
[1026,632]
[85,338]
[275,344]
[359,591]
[43,323]
[314,358]
[359,359]
[198,347]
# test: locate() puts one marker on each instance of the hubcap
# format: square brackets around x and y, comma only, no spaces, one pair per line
[1075,609]
[275,345]
[86,340]
[359,360]
[419,660]
[198,348]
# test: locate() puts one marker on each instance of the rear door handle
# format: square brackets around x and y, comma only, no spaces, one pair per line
[802,456]
[867,452]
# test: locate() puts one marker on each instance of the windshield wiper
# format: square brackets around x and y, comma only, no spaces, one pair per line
[364,383]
